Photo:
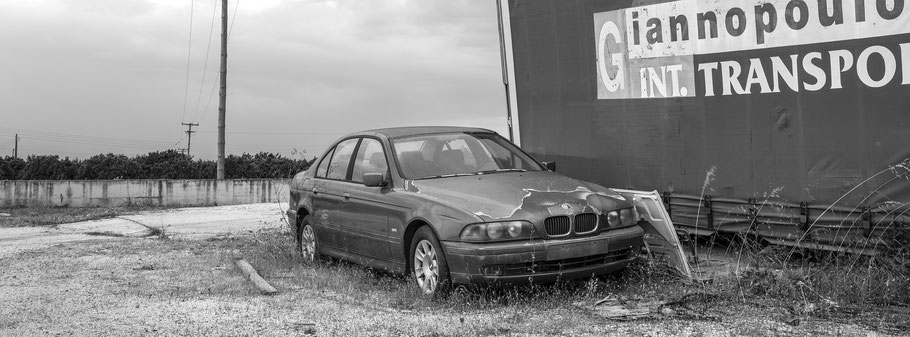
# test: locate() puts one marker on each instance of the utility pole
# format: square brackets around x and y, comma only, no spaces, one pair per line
[189,135]
[16,148]
[505,68]
[222,94]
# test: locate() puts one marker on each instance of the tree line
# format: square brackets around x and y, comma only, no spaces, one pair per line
[170,164]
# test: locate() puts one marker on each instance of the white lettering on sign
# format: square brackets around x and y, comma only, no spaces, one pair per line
[657,45]
[786,71]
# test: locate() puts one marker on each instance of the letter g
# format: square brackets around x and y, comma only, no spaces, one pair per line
[617,82]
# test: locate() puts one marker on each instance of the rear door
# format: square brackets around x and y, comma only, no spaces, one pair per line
[328,195]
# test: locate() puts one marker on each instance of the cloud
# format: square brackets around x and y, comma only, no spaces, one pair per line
[300,72]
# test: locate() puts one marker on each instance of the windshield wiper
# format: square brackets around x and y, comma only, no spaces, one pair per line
[501,170]
[447,175]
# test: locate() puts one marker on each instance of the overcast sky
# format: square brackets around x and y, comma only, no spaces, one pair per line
[79,78]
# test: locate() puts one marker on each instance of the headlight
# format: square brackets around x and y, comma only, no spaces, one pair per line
[613,219]
[497,231]
[628,216]
[623,217]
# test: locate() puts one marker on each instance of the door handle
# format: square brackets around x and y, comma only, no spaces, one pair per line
[346,195]
[315,190]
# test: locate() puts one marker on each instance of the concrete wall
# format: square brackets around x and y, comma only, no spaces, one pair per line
[86,193]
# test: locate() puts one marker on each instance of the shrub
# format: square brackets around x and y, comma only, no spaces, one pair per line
[168,164]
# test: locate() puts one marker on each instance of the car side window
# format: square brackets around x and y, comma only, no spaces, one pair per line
[370,159]
[324,164]
[341,159]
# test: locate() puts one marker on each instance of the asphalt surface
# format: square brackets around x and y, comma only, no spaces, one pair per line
[187,223]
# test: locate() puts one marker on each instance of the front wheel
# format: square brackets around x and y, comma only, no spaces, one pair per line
[306,240]
[430,271]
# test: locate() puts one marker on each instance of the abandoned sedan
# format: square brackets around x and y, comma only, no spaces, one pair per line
[457,206]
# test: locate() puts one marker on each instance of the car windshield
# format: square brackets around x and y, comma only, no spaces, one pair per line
[456,154]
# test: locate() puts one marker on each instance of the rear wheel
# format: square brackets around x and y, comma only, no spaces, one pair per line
[429,269]
[306,240]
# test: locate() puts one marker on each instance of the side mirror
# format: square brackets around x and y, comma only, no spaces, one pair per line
[550,165]
[374,180]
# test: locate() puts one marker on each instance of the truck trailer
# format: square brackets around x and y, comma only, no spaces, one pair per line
[788,120]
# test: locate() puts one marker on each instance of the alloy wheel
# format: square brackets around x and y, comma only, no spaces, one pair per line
[426,266]
[307,243]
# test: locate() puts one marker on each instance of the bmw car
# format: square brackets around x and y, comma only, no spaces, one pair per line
[457,206]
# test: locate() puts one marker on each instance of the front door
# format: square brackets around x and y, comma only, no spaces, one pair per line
[366,222]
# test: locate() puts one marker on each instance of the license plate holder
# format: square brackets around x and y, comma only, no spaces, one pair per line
[562,251]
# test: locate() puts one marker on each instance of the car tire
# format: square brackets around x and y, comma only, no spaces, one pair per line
[428,263]
[307,245]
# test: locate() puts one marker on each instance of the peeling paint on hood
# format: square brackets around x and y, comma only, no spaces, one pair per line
[519,195]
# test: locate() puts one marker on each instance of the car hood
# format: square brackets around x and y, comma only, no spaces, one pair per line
[519,195]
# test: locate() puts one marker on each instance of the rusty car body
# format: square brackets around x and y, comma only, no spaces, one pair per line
[451,205]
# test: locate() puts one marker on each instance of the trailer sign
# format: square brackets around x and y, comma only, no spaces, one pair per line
[786,119]
[704,48]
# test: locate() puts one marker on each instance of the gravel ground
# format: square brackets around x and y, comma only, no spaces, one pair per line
[171,273]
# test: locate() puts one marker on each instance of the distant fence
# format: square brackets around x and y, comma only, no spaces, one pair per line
[88,193]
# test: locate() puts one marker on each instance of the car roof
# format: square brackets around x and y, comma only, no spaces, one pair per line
[417,130]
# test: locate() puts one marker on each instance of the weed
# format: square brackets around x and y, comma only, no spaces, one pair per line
[157,232]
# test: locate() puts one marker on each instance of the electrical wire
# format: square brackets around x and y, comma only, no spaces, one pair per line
[205,64]
[218,78]
[211,95]
[233,18]
[271,133]
[189,49]
[81,139]
[149,145]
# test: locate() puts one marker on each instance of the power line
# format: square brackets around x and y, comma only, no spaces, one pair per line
[205,63]
[233,17]
[56,136]
[211,95]
[90,140]
[272,133]
[189,50]
[215,84]
[38,137]
[46,136]
[105,144]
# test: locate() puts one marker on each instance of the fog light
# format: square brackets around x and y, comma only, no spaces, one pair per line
[492,270]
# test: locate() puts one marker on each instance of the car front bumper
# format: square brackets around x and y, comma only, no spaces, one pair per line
[542,260]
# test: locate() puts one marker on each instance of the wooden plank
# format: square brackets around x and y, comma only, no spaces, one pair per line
[264,287]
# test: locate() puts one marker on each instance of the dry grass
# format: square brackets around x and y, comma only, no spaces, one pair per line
[128,286]
[872,291]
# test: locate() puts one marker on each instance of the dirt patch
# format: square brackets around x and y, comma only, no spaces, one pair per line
[197,222]
[50,216]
